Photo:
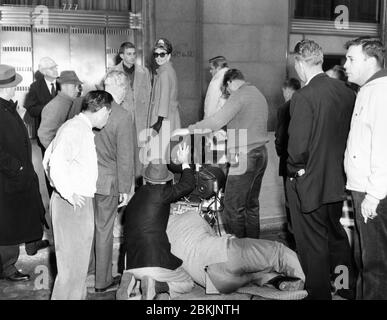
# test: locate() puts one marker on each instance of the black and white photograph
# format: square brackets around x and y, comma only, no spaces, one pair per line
[211,153]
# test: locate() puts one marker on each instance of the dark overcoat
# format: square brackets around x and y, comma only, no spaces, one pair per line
[320,117]
[21,206]
[146,218]
[37,98]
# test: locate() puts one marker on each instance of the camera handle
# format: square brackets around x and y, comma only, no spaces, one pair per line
[216,205]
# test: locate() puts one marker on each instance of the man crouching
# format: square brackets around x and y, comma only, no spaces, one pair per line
[148,252]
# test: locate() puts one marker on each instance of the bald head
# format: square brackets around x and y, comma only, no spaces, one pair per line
[48,68]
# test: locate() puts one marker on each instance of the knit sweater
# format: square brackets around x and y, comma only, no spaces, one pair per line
[245,109]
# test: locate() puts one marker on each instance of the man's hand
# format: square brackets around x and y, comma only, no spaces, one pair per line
[180,132]
[368,207]
[123,200]
[183,153]
[78,201]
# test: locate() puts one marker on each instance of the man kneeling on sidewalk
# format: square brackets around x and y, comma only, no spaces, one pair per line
[148,255]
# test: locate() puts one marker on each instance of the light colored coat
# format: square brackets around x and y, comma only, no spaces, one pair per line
[137,98]
[164,97]
[54,114]
[366,154]
[214,101]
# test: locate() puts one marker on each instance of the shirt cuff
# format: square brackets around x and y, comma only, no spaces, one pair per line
[372,199]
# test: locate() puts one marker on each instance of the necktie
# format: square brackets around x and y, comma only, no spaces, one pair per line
[53,91]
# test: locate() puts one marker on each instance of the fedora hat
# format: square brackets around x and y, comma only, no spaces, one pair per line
[156,172]
[8,77]
[70,77]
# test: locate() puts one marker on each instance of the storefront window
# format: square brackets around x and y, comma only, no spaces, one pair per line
[99,5]
[359,10]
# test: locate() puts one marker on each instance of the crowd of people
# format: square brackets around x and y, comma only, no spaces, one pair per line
[329,138]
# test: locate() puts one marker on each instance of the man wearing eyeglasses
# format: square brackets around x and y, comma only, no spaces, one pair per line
[320,115]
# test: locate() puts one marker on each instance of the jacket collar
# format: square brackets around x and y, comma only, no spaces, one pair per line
[9,105]
[380,74]
[315,77]
[165,66]
[65,97]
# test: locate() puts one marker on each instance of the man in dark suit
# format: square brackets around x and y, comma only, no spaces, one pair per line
[320,115]
[41,92]
[281,144]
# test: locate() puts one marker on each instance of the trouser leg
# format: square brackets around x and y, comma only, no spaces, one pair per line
[254,260]
[105,213]
[241,201]
[371,251]
[233,215]
[8,257]
[341,259]
[73,233]
[258,159]
[311,234]
[48,184]
[178,280]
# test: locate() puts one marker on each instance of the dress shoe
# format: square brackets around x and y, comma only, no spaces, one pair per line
[285,283]
[41,244]
[112,287]
[129,288]
[18,277]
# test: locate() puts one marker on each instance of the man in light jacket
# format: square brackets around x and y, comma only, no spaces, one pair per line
[366,165]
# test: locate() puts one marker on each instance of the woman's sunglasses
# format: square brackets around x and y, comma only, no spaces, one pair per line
[161,55]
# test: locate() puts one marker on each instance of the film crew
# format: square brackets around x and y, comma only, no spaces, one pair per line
[72,167]
[231,263]
[148,256]
[245,113]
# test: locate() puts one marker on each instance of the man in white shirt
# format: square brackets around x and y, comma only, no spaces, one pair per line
[71,164]
[366,164]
